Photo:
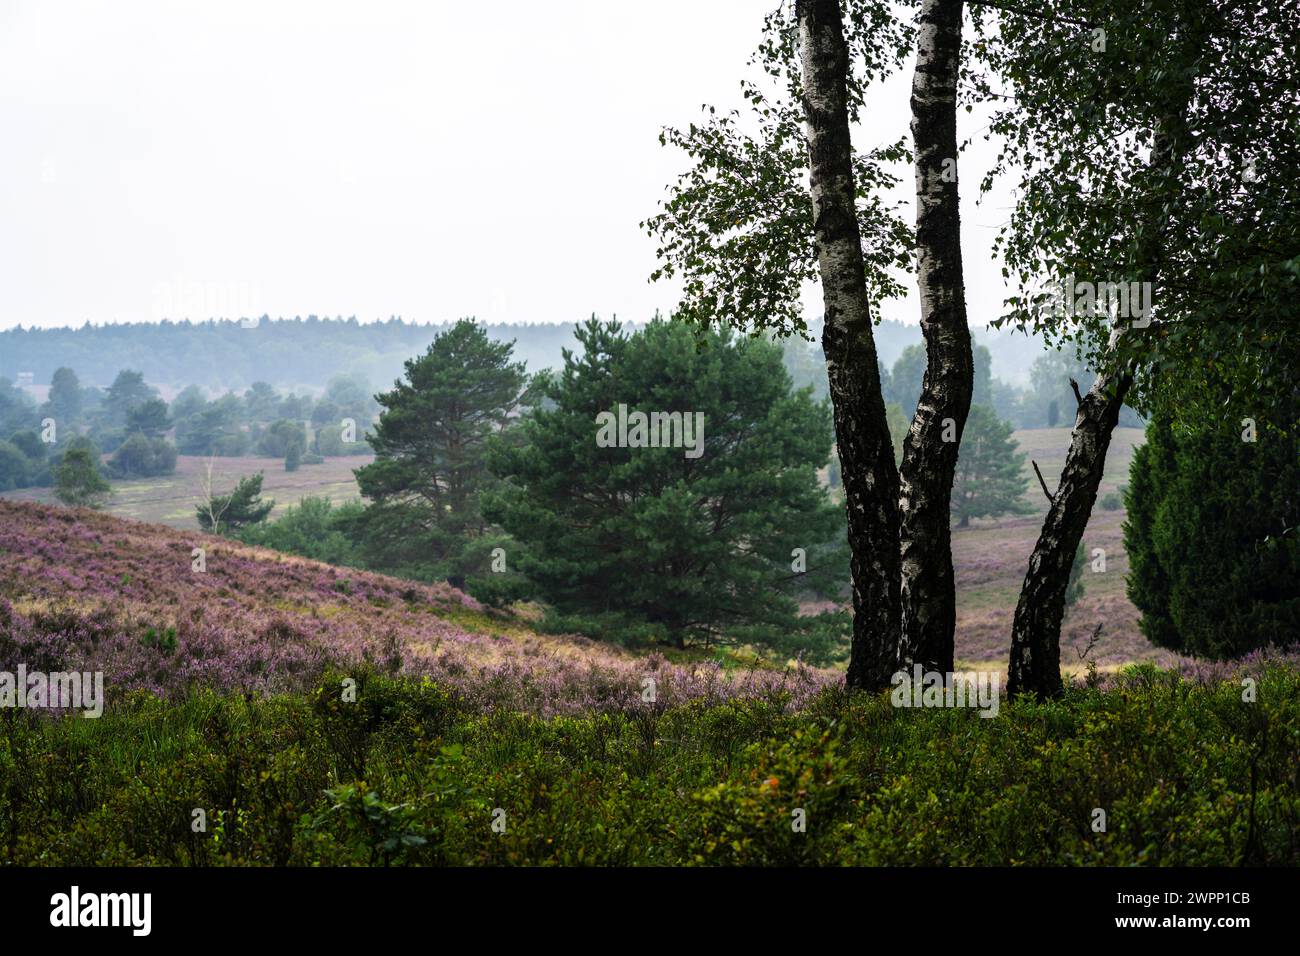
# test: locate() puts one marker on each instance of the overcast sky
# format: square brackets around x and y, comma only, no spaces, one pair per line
[432,160]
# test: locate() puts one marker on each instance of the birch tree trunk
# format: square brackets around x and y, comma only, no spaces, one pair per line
[1036,629]
[866,453]
[928,598]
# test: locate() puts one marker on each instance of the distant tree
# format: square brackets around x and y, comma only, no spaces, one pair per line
[350,394]
[710,539]
[189,402]
[214,430]
[64,402]
[906,378]
[143,457]
[79,482]
[15,467]
[1053,413]
[899,423]
[148,418]
[982,385]
[30,444]
[990,479]
[293,456]
[296,407]
[280,437]
[429,472]
[329,440]
[325,413]
[228,514]
[17,410]
[261,402]
[1212,533]
[127,392]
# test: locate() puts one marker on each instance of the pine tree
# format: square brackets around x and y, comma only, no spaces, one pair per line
[227,514]
[429,472]
[990,478]
[64,402]
[710,538]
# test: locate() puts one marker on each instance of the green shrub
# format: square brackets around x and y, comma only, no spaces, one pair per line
[404,774]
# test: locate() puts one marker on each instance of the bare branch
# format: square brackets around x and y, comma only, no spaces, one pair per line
[1050,496]
[1078,399]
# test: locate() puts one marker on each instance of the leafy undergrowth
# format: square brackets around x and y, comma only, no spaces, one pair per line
[410,773]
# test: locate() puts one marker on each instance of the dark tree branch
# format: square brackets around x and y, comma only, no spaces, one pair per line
[1050,497]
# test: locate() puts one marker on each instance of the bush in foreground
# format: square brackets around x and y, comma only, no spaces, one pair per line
[1187,773]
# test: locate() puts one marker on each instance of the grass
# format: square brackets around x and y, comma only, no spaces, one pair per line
[170,500]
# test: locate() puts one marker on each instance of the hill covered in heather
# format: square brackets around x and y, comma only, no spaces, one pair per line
[81,590]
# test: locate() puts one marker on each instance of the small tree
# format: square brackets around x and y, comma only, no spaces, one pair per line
[293,457]
[990,478]
[79,482]
[1211,536]
[227,514]
[429,470]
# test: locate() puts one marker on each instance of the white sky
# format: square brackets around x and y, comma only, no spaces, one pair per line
[432,159]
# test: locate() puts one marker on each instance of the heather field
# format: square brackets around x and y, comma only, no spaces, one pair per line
[87,591]
[989,556]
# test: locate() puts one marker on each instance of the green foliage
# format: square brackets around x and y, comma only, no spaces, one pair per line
[990,478]
[15,467]
[163,639]
[1189,774]
[429,472]
[143,457]
[280,437]
[697,546]
[311,528]
[905,380]
[899,424]
[148,418]
[64,402]
[17,410]
[79,482]
[1213,221]
[737,227]
[229,514]
[127,393]
[1212,537]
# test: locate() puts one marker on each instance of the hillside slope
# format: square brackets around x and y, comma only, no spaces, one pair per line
[86,591]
